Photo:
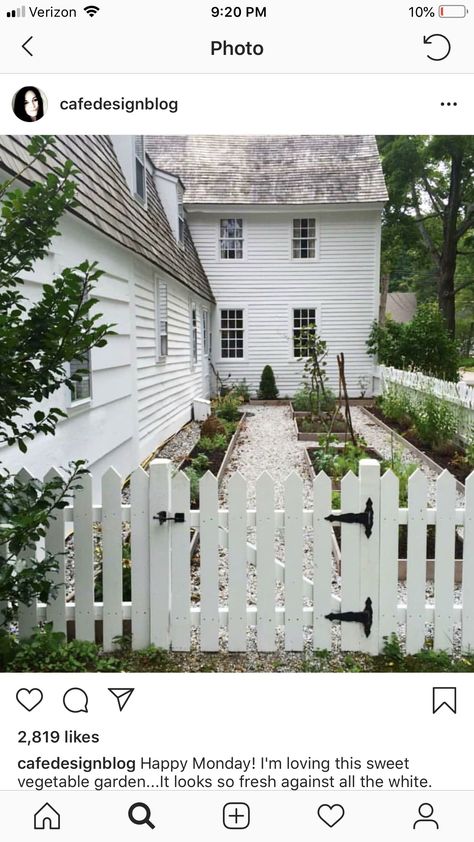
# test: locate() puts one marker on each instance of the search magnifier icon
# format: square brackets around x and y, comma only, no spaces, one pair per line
[140,813]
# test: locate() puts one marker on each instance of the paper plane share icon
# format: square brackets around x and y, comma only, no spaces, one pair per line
[122,694]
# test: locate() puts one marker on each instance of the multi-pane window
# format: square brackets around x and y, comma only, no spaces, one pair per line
[232,334]
[304,324]
[231,239]
[304,238]
[140,170]
[81,389]
[205,332]
[194,333]
[162,318]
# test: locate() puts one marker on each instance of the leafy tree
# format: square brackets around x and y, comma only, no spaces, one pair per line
[423,344]
[37,341]
[428,223]
[268,389]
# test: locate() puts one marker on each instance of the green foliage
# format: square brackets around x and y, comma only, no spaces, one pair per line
[403,470]
[212,425]
[470,453]
[303,400]
[48,651]
[314,353]
[208,445]
[268,389]
[241,390]
[396,404]
[37,341]
[434,420]
[427,229]
[423,344]
[227,408]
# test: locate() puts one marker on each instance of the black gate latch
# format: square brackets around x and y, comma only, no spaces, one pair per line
[365,617]
[163,517]
[366,518]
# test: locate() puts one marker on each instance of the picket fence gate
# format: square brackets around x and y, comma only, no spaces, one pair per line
[237,547]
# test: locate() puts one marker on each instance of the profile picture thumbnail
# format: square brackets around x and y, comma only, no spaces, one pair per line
[29,104]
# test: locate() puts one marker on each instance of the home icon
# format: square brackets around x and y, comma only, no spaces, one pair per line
[47,818]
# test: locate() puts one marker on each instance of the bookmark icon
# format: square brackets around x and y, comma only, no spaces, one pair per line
[122,694]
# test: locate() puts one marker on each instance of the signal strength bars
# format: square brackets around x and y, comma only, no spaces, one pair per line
[17,13]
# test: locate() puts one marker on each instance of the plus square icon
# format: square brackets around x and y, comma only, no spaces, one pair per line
[236,815]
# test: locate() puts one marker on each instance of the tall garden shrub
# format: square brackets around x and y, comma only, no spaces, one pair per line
[268,389]
[423,344]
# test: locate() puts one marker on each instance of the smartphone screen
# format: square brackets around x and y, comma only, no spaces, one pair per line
[236,420]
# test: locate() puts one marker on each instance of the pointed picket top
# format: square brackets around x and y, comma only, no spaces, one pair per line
[53,473]
[265,480]
[418,481]
[349,481]
[111,475]
[24,475]
[138,475]
[445,482]
[390,481]
[237,482]
[208,482]
[293,484]
[181,485]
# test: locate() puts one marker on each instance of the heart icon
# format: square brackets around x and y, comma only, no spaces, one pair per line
[29,699]
[331,814]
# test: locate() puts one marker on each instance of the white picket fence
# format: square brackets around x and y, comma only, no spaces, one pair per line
[459,395]
[237,546]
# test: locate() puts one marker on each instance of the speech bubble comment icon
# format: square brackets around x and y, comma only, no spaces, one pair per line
[75,700]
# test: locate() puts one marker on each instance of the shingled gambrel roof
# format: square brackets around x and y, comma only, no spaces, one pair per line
[105,203]
[266,169]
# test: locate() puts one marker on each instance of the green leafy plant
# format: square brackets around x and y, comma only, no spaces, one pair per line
[227,408]
[424,344]
[267,390]
[48,651]
[208,445]
[37,341]
[241,390]
[434,420]
[396,404]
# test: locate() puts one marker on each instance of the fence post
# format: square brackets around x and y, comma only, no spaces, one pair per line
[160,553]
[369,480]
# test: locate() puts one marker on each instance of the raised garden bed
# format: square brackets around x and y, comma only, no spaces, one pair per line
[438,460]
[308,429]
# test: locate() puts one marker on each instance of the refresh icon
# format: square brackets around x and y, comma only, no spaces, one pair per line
[446,46]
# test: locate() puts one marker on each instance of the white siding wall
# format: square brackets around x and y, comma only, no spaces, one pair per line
[343,283]
[166,388]
[102,430]
[136,402]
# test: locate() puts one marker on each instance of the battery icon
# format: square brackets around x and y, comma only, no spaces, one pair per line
[452,11]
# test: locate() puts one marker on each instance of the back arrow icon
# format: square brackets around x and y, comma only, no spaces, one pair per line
[25,47]
[428,39]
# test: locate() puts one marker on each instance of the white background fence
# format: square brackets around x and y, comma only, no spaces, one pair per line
[459,395]
[237,547]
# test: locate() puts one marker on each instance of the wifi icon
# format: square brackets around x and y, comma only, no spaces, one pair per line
[91,10]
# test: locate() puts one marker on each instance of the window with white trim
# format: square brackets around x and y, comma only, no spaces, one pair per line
[304,239]
[194,333]
[232,334]
[140,168]
[231,239]
[205,332]
[81,388]
[161,318]
[304,322]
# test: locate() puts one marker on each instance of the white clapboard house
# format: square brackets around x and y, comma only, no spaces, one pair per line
[215,251]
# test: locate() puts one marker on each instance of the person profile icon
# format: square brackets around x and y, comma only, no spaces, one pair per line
[426,811]
[29,104]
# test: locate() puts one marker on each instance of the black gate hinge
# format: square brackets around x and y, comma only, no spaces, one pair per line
[163,517]
[365,518]
[365,617]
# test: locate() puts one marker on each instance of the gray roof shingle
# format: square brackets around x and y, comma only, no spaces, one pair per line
[270,169]
[105,202]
